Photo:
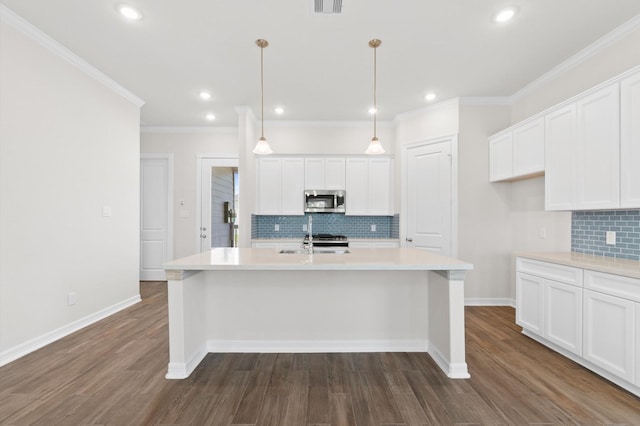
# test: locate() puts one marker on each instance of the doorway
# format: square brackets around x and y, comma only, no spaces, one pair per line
[217,222]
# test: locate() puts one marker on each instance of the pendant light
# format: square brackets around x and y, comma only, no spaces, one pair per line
[262,147]
[375,147]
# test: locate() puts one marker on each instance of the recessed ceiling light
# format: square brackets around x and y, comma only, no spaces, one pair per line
[130,12]
[210,117]
[279,110]
[430,97]
[205,96]
[505,15]
[372,110]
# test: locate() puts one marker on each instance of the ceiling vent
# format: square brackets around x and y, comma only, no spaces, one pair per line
[327,6]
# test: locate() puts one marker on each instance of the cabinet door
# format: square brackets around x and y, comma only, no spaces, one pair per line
[560,153]
[292,202]
[379,187]
[598,150]
[357,180]
[334,170]
[630,142]
[269,185]
[500,157]
[314,173]
[637,366]
[528,148]
[530,302]
[563,315]
[609,332]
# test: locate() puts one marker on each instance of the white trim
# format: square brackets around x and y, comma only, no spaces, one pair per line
[452,370]
[594,48]
[170,190]
[481,301]
[37,35]
[182,370]
[316,346]
[487,101]
[416,112]
[34,344]
[188,129]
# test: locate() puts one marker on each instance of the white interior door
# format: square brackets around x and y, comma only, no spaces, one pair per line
[155,216]
[212,231]
[428,197]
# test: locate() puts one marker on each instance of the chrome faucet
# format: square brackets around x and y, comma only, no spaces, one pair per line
[310,243]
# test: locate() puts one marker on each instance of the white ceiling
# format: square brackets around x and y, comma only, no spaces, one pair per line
[319,67]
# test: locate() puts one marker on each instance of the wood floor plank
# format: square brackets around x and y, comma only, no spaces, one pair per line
[112,372]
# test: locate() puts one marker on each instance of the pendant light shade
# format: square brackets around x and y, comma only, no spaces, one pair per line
[262,147]
[375,147]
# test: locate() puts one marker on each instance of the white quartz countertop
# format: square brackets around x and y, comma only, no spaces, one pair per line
[610,265]
[356,259]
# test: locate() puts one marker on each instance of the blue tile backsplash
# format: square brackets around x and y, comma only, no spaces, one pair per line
[588,233]
[338,224]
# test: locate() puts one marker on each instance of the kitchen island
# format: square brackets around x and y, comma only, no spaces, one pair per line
[366,300]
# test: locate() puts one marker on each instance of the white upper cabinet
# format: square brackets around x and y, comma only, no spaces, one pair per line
[280,186]
[598,149]
[501,157]
[528,148]
[517,152]
[630,142]
[369,186]
[560,159]
[324,173]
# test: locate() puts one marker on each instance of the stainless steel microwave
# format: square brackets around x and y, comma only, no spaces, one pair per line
[316,201]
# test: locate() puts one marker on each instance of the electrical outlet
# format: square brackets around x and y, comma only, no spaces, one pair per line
[373,228]
[610,238]
[542,233]
[72,298]
[276,227]
[304,228]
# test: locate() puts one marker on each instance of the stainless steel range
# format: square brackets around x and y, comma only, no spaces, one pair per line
[327,240]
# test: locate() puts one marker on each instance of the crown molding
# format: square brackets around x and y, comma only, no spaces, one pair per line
[37,35]
[433,107]
[596,47]
[328,124]
[188,129]
[486,101]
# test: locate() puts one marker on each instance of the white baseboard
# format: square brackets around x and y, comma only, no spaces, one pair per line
[25,348]
[316,346]
[490,302]
[452,370]
[182,370]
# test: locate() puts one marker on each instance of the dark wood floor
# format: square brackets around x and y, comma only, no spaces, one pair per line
[113,373]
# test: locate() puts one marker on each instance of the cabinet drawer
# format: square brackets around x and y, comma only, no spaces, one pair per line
[614,285]
[561,273]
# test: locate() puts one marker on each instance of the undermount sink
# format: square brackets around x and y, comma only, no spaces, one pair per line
[315,251]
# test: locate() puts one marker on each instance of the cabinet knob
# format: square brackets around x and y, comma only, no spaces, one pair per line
[409,239]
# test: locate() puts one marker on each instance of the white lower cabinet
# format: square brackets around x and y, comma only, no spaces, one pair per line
[563,315]
[609,333]
[593,317]
[548,307]
[374,244]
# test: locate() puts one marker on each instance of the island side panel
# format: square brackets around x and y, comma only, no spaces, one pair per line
[317,311]
[187,319]
[446,322]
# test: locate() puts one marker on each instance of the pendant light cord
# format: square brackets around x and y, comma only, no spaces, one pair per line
[375,103]
[262,90]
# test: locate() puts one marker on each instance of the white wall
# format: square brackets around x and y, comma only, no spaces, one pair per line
[185,146]
[69,145]
[484,209]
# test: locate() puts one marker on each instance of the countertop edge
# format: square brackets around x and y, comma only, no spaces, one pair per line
[609,265]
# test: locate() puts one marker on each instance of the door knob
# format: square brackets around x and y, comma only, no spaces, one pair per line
[409,239]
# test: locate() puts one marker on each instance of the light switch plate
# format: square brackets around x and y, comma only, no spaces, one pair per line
[276,227]
[610,238]
[106,211]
